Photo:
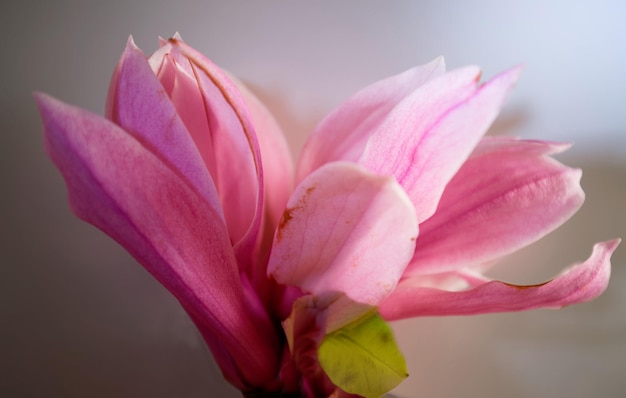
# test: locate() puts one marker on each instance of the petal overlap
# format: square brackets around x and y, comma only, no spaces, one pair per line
[220,125]
[508,194]
[139,104]
[345,230]
[168,227]
[343,134]
[580,283]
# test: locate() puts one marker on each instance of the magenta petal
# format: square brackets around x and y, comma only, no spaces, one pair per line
[345,230]
[118,185]
[509,193]
[342,135]
[427,137]
[580,283]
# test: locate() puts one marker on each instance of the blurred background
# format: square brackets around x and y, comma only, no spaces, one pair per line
[80,318]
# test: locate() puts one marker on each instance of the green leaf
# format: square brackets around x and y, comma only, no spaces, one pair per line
[362,357]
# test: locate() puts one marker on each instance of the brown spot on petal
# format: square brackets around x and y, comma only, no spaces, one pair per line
[284,220]
[524,287]
[289,212]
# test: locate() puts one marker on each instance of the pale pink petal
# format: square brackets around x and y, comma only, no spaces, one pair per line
[427,137]
[342,135]
[278,180]
[278,168]
[118,185]
[580,283]
[460,279]
[508,194]
[238,174]
[220,141]
[345,230]
[139,104]
[219,133]
[167,48]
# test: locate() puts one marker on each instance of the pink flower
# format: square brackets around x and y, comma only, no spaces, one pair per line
[400,206]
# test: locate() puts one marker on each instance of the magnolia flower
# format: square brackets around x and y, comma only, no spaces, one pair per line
[400,204]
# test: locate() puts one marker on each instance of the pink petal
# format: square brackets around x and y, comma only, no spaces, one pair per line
[278,180]
[278,168]
[507,195]
[426,138]
[345,230]
[187,99]
[121,187]
[456,280]
[580,283]
[138,103]
[218,136]
[342,135]
[238,174]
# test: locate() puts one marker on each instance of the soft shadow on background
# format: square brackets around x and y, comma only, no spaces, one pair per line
[80,318]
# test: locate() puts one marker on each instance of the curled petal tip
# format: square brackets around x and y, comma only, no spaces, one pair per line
[131,46]
[40,96]
[440,61]
[513,74]
[49,107]
[582,282]
[593,274]
[506,80]
[612,244]
[558,146]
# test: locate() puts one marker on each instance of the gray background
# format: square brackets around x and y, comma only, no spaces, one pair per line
[80,318]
